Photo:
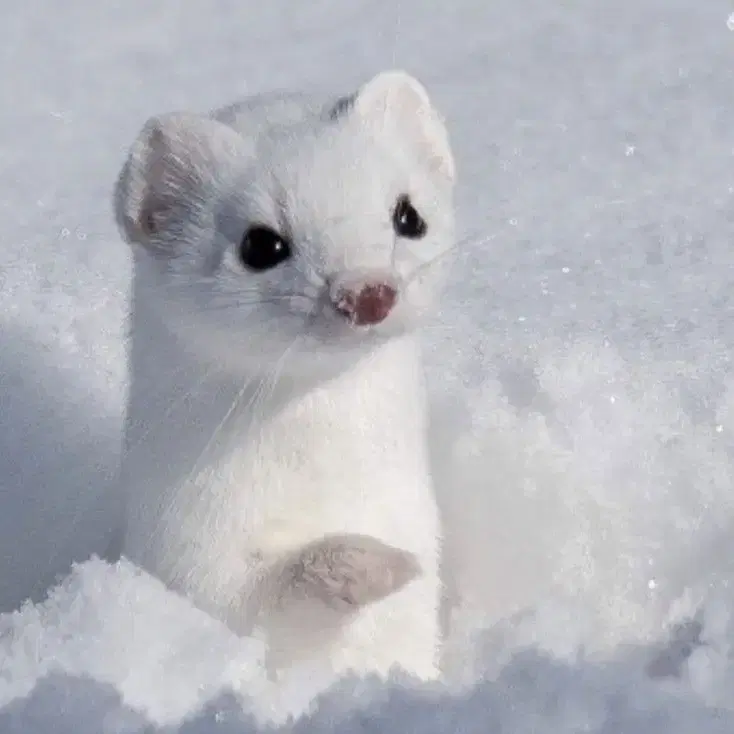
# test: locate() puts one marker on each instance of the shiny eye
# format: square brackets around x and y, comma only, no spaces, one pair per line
[406,221]
[262,248]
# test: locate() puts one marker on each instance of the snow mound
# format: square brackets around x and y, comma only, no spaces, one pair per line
[112,651]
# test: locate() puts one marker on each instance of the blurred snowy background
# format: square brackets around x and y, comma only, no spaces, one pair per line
[581,366]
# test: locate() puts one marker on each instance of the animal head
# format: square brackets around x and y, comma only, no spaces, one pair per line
[322,237]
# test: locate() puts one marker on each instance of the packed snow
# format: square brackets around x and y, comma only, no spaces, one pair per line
[580,368]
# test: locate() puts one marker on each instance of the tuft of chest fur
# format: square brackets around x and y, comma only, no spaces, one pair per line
[346,457]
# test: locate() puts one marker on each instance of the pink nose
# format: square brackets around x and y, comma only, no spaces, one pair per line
[368,304]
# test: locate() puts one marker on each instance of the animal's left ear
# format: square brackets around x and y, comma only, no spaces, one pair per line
[394,102]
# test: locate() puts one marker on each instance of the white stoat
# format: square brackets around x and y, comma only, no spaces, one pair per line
[275,467]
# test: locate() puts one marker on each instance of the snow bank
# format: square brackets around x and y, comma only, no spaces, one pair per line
[111,651]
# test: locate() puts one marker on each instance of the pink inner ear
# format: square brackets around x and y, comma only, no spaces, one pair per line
[152,216]
[148,224]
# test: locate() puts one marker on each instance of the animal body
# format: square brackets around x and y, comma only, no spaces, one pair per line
[286,250]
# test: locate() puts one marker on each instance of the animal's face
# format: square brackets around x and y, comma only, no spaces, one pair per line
[306,249]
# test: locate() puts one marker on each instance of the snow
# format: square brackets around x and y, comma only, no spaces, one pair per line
[581,368]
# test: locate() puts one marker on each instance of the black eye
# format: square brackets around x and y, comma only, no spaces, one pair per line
[406,221]
[263,248]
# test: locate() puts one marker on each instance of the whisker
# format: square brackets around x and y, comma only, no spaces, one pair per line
[273,377]
[224,303]
[186,392]
[242,296]
[172,405]
[264,387]
[234,298]
[217,430]
[460,244]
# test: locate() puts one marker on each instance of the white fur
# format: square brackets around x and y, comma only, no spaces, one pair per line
[258,419]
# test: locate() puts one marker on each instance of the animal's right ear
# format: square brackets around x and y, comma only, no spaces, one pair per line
[169,173]
[396,103]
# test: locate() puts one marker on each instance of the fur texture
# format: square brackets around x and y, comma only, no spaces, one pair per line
[275,466]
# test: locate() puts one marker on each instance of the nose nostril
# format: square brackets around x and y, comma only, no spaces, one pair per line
[369,305]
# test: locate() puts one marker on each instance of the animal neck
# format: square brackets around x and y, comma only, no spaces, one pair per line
[185,414]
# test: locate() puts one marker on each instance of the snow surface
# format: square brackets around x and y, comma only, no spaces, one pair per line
[581,368]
